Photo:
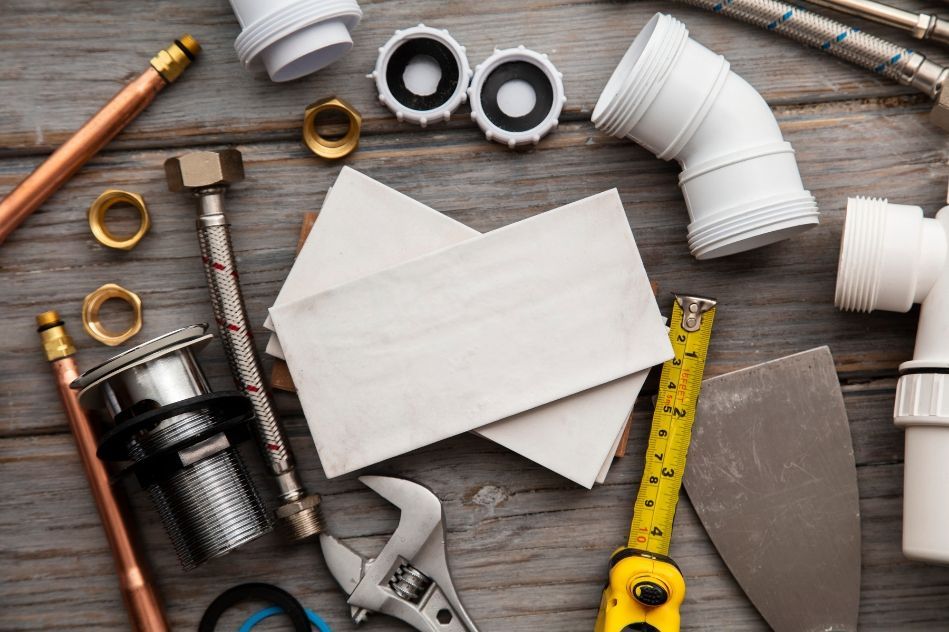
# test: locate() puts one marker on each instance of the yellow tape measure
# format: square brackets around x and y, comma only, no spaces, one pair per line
[690,331]
[646,588]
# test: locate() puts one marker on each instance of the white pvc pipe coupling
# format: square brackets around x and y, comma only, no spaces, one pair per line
[891,257]
[739,177]
[293,38]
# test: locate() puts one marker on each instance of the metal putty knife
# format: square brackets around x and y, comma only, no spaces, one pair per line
[771,474]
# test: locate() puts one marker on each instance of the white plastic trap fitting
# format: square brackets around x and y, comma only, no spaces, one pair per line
[516,96]
[891,257]
[293,38]
[422,75]
[681,101]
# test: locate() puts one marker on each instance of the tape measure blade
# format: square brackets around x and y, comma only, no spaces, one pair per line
[670,434]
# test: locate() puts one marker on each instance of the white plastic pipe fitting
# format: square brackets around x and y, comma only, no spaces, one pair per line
[293,38]
[739,177]
[891,257]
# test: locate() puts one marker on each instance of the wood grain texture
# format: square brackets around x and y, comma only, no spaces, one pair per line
[528,549]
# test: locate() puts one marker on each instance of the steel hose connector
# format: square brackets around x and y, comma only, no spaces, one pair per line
[873,53]
[207,174]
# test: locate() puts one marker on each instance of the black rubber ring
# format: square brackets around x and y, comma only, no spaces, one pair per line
[529,73]
[113,445]
[250,592]
[403,56]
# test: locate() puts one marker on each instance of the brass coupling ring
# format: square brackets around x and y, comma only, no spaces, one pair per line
[334,148]
[90,314]
[101,206]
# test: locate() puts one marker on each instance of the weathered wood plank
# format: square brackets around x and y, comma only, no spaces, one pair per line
[776,300]
[57,71]
[528,549]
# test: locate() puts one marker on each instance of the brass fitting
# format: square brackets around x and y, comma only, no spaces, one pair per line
[170,62]
[204,169]
[57,344]
[90,314]
[101,206]
[332,149]
[302,518]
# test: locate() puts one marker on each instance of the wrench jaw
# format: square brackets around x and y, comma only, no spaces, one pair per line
[346,566]
[409,579]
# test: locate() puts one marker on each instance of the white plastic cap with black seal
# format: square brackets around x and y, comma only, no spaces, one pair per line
[293,38]
[422,74]
[516,96]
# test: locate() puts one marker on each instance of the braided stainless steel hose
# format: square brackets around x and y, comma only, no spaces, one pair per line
[207,175]
[875,54]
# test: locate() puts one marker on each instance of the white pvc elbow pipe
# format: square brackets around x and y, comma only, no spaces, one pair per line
[891,257]
[739,177]
[293,38]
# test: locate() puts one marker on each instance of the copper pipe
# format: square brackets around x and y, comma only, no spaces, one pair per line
[138,589]
[104,125]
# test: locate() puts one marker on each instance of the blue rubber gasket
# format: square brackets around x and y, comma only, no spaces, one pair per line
[266,613]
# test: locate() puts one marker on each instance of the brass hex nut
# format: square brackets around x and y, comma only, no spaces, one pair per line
[90,314]
[332,149]
[307,502]
[101,206]
[202,169]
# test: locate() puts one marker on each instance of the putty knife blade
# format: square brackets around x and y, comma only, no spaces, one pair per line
[771,474]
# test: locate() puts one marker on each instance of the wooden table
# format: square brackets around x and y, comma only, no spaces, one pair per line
[528,548]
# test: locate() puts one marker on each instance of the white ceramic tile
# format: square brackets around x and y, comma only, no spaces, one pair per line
[459,338]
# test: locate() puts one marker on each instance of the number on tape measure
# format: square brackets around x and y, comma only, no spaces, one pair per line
[689,332]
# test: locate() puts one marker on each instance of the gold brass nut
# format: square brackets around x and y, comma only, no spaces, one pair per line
[90,314]
[337,148]
[101,206]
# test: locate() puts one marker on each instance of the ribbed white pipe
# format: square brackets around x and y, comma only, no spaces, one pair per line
[681,101]
[891,257]
[293,38]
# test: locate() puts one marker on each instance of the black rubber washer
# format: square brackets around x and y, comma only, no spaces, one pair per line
[160,465]
[535,77]
[113,446]
[250,592]
[403,56]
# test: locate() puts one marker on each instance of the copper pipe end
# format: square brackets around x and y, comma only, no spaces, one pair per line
[138,590]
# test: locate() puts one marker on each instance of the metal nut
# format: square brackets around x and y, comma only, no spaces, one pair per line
[332,149]
[204,169]
[296,506]
[101,206]
[90,314]
[940,113]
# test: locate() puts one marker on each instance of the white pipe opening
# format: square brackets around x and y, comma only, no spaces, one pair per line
[891,257]
[739,177]
[293,38]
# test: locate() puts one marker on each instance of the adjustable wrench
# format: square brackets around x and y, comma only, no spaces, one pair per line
[409,579]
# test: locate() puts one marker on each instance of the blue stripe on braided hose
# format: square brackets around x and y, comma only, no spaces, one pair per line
[840,37]
[784,18]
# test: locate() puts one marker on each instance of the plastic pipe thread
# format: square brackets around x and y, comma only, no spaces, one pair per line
[293,38]
[681,101]
[891,257]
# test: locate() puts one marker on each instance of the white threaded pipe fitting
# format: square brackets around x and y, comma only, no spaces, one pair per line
[891,257]
[293,38]
[681,101]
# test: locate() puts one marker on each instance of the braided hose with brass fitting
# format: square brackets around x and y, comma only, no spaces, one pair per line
[873,53]
[207,175]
